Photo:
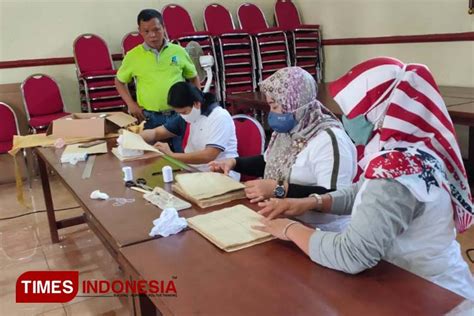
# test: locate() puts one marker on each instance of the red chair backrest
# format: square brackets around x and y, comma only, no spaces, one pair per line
[251,18]
[286,14]
[91,53]
[250,138]
[41,95]
[130,41]
[177,21]
[217,19]
[9,125]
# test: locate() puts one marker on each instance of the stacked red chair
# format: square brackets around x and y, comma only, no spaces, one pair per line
[180,29]
[271,43]
[9,123]
[235,50]
[130,41]
[95,73]
[250,138]
[305,39]
[42,100]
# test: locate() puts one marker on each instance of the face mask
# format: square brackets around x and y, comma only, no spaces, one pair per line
[281,122]
[193,116]
[358,128]
[284,122]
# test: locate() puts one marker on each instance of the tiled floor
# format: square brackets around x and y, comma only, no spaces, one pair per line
[25,245]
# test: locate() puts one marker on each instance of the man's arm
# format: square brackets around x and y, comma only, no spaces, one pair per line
[195,81]
[154,135]
[204,156]
[133,107]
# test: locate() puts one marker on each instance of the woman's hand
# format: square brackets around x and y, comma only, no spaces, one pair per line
[164,148]
[259,190]
[286,207]
[222,166]
[276,227]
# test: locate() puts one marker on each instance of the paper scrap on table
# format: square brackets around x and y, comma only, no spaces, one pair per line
[137,129]
[73,158]
[73,153]
[97,195]
[136,142]
[169,223]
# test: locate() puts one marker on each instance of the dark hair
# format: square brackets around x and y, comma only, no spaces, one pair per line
[148,14]
[183,94]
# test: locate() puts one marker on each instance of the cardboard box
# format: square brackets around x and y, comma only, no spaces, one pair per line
[93,125]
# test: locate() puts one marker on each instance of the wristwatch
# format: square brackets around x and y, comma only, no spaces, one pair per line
[319,200]
[279,191]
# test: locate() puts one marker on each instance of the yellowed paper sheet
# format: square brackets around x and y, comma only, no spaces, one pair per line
[135,141]
[43,140]
[39,140]
[121,119]
[203,185]
[230,228]
[137,129]
[97,149]
[139,157]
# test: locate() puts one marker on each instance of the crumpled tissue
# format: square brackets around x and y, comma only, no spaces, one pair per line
[97,195]
[73,158]
[59,143]
[169,223]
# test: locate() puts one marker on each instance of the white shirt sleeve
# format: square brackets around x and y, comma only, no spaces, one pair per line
[329,161]
[220,130]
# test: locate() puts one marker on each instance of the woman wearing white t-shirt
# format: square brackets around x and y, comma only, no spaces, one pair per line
[211,128]
[309,151]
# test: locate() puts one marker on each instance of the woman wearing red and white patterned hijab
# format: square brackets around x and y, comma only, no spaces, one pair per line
[413,139]
[413,191]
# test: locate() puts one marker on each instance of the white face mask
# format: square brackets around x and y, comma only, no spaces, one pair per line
[193,116]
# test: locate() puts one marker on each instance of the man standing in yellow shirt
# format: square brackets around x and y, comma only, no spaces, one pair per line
[156,65]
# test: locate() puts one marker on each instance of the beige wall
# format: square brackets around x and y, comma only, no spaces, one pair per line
[452,63]
[45,29]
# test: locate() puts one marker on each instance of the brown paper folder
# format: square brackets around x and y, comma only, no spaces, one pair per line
[208,188]
[215,200]
[230,228]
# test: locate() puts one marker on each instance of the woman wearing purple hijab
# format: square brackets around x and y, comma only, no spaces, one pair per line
[309,151]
